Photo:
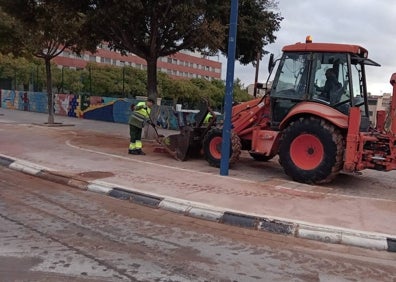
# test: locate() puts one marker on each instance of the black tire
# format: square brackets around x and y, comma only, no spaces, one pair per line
[260,158]
[212,147]
[311,151]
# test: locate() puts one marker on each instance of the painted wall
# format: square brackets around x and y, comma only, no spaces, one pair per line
[89,107]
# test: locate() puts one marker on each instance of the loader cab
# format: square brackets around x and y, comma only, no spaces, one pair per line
[303,75]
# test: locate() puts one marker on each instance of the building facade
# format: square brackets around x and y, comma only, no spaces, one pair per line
[184,64]
[378,103]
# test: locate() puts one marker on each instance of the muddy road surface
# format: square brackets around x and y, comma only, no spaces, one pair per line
[50,232]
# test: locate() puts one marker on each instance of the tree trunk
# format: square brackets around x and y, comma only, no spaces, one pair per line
[149,133]
[49,91]
[152,77]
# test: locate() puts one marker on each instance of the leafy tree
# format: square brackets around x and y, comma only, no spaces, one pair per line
[7,31]
[136,80]
[73,81]
[44,28]
[157,28]
[106,80]
[19,71]
[240,94]
[181,91]
[257,23]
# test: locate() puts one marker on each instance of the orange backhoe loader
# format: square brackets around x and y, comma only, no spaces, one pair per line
[318,126]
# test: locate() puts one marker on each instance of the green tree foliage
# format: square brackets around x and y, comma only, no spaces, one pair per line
[7,31]
[21,73]
[67,80]
[240,94]
[112,81]
[44,28]
[152,29]
[157,28]
[137,81]
[257,24]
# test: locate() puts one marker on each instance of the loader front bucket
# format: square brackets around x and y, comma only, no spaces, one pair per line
[177,145]
[181,146]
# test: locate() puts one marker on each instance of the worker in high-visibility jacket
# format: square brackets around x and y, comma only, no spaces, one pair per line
[208,118]
[139,117]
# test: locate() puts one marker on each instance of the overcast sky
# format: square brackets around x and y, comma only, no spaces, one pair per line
[369,23]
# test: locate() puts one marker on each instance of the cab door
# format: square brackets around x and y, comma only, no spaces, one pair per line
[291,85]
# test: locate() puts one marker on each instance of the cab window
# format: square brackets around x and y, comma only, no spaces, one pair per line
[292,76]
[330,78]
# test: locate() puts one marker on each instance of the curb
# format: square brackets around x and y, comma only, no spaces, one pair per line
[327,234]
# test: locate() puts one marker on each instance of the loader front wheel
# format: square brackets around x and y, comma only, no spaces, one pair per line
[212,147]
[311,151]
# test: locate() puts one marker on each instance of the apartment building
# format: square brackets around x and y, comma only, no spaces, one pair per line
[261,90]
[184,64]
[378,103]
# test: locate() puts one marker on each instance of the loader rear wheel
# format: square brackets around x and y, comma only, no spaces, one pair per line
[311,151]
[212,147]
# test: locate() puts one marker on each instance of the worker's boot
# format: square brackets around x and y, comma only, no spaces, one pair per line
[140,152]
[133,152]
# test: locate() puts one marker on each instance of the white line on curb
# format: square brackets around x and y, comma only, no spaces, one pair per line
[99,188]
[174,206]
[26,168]
[206,214]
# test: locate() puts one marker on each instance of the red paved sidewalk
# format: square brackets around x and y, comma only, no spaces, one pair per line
[97,152]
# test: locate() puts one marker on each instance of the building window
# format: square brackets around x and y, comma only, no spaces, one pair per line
[105,60]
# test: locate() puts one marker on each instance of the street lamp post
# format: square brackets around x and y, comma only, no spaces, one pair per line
[123,81]
[258,55]
[225,148]
[62,80]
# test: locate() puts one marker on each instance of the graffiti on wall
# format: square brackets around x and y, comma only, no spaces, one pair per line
[24,101]
[88,107]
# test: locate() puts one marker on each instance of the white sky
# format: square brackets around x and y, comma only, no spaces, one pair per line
[369,23]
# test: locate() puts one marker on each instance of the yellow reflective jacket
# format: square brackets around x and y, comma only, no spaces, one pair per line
[207,118]
[140,115]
